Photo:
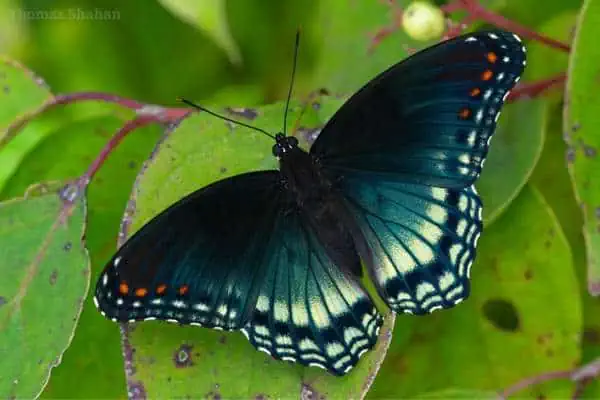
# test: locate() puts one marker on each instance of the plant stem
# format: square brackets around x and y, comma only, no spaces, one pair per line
[146,115]
[581,376]
[85,96]
[478,11]
[535,88]
[534,380]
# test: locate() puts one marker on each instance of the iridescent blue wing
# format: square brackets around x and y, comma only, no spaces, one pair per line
[308,310]
[430,118]
[238,254]
[422,240]
[199,261]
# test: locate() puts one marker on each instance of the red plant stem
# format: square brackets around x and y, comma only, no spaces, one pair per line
[384,32]
[109,98]
[458,27]
[535,88]
[581,376]
[534,380]
[146,115]
[63,99]
[111,145]
[477,11]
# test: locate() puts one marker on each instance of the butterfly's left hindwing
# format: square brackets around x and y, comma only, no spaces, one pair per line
[422,240]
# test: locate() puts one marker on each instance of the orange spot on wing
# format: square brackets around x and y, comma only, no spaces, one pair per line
[161,289]
[491,57]
[124,288]
[475,92]
[487,75]
[141,292]
[464,113]
[183,289]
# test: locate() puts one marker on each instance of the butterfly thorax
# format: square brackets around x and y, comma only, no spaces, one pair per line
[302,176]
[313,195]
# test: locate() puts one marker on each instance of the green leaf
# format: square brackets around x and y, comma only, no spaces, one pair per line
[581,126]
[345,30]
[146,53]
[201,150]
[544,61]
[21,94]
[45,276]
[94,355]
[521,11]
[552,179]
[210,16]
[267,43]
[522,318]
[514,152]
[66,153]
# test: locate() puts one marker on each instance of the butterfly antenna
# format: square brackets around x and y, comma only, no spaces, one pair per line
[196,106]
[289,96]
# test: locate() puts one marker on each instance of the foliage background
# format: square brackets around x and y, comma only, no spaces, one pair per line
[531,312]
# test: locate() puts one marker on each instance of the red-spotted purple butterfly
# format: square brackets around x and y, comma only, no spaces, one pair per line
[389,182]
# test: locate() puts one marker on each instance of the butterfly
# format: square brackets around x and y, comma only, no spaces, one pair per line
[387,184]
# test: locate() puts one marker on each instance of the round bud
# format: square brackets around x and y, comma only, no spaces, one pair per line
[423,21]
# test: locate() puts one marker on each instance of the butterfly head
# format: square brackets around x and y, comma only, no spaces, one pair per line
[284,144]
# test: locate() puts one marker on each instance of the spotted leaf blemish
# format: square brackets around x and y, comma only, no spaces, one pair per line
[502,314]
[182,358]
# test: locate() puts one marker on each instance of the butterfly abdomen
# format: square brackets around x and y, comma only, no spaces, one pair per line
[315,197]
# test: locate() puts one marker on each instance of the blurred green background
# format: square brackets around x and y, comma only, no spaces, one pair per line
[238,53]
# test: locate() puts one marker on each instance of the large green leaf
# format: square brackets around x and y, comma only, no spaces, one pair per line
[551,178]
[210,16]
[581,127]
[93,355]
[45,276]
[514,151]
[522,318]
[201,150]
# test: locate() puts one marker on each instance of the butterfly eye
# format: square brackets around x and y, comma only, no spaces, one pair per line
[277,150]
